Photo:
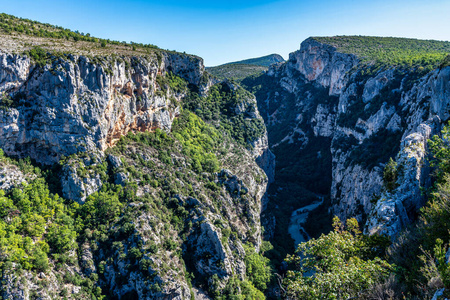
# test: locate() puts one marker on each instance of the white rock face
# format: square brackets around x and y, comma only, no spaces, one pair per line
[11,176]
[389,215]
[78,104]
[78,188]
[356,187]
[375,84]
[323,64]
[323,121]
[367,113]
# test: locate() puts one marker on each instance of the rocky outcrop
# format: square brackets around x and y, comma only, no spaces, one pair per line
[322,100]
[11,176]
[323,64]
[45,285]
[78,103]
[79,178]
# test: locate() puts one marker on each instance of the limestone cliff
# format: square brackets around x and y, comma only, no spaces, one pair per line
[185,213]
[77,103]
[331,119]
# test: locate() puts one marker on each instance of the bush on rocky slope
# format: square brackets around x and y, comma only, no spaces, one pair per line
[415,266]
[340,265]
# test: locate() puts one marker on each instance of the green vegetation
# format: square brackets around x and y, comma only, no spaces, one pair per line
[42,57]
[175,83]
[258,269]
[13,25]
[6,101]
[264,61]
[390,175]
[231,109]
[38,229]
[382,52]
[24,226]
[445,62]
[340,265]
[199,141]
[236,72]
[239,70]
[238,289]
[259,274]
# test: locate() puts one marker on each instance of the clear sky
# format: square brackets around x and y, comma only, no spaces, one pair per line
[224,31]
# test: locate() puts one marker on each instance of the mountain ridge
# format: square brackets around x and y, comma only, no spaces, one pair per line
[244,68]
[264,61]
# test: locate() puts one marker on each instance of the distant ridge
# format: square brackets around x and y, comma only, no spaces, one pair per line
[264,61]
[239,70]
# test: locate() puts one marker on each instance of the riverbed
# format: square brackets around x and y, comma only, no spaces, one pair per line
[298,218]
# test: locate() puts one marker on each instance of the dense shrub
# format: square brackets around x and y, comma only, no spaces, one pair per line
[258,269]
[25,235]
[339,265]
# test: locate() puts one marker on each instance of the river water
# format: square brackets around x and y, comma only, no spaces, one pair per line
[298,218]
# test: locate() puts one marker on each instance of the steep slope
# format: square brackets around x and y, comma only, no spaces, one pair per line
[336,111]
[157,203]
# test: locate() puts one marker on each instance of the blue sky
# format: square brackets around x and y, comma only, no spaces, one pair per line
[224,31]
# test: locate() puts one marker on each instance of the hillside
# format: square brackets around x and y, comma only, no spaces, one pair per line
[112,185]
[389,51]
[235,72]
[19,35]
[244,68]
[264,61]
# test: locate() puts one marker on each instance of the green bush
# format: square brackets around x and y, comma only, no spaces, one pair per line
[339,265]
[199,141]
[25,237]
[390,175]
[258,270]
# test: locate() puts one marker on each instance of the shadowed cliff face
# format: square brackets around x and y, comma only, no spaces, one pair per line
[332,120]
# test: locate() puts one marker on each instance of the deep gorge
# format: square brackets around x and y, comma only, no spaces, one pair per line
[130,172]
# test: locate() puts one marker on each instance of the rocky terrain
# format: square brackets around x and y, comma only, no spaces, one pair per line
[354,117]
[130,172]
[160,204]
